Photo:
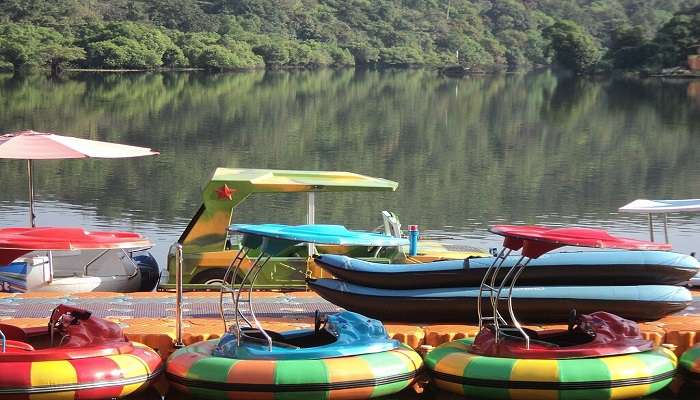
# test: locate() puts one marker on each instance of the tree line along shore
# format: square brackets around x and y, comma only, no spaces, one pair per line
[479,35]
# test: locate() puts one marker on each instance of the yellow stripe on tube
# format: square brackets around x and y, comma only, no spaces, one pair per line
[627,367]
[535,371]
[53,373]
[131,367]
[453,364]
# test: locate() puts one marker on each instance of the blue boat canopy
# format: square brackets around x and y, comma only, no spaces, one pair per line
[273,238]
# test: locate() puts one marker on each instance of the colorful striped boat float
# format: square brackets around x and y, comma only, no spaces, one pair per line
[455,369]
[90,360]
[298,364]
[690,365]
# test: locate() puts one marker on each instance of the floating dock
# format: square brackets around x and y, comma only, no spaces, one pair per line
[149,318]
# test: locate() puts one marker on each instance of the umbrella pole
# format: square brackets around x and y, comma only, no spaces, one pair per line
[32,217]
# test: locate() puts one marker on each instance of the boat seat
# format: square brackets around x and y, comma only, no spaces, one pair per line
[16,333]
[564,338]
[13,332]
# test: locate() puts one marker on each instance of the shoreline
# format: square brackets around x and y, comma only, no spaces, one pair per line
[439,70]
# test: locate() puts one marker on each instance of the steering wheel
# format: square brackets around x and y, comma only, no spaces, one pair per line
[318,321]
[572,320]
[57,326]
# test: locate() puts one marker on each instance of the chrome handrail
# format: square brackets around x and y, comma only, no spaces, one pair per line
[489,283]
[245,286]
[178,296]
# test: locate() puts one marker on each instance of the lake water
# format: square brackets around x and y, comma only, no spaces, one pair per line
[526,148]
[533,148]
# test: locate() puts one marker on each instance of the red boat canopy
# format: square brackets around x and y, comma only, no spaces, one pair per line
[15,242]
[537,240]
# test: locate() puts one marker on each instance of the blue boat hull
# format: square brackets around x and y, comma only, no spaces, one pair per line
[564,268]
[533,304]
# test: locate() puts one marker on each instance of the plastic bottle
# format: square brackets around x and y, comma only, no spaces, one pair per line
[412,240]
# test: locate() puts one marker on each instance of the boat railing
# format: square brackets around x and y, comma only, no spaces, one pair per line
[101,254]
[246,286]
[178,295]
[3,339]
[490,284]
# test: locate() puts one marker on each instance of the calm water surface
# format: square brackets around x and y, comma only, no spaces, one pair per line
[534,148]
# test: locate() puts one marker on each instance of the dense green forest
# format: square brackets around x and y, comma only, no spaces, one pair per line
[581,35]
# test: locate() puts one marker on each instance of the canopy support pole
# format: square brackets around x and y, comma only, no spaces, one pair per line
[311,219]
[32,216]
[178,296]
[666,226]
[651,228]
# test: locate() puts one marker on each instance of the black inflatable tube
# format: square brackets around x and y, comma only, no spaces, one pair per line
[464,309]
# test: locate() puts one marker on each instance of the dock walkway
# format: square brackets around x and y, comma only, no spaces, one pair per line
[150,317]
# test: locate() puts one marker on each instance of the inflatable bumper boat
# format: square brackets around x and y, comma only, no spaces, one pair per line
[76,357]
[690,365]
[345,356]
[555,269]
[599,356]
[456,369]
[534,303]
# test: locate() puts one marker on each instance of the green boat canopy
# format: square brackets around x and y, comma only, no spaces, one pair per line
[228,187]
[271,180]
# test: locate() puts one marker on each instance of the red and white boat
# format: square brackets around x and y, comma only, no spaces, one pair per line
[71,259]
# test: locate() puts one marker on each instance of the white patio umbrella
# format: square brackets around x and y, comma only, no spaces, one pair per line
[30,145]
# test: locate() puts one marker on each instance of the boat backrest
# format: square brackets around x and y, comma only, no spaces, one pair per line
[13,332]
[392,226]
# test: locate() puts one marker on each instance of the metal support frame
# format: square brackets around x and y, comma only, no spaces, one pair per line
[178,296]
[311,218]
[32,216]
[97,257]
[495,289]
[246,286]
[651,227]
[4,341]
[50,256]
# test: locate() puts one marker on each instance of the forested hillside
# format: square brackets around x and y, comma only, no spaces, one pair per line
[233,34]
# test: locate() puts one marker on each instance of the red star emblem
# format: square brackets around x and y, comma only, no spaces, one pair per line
[225,193]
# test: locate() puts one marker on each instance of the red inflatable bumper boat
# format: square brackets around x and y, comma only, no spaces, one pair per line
[77,356]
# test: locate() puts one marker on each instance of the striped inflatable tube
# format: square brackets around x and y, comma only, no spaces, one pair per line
[456,370]
[690,364]
[195,371]
[89,378]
